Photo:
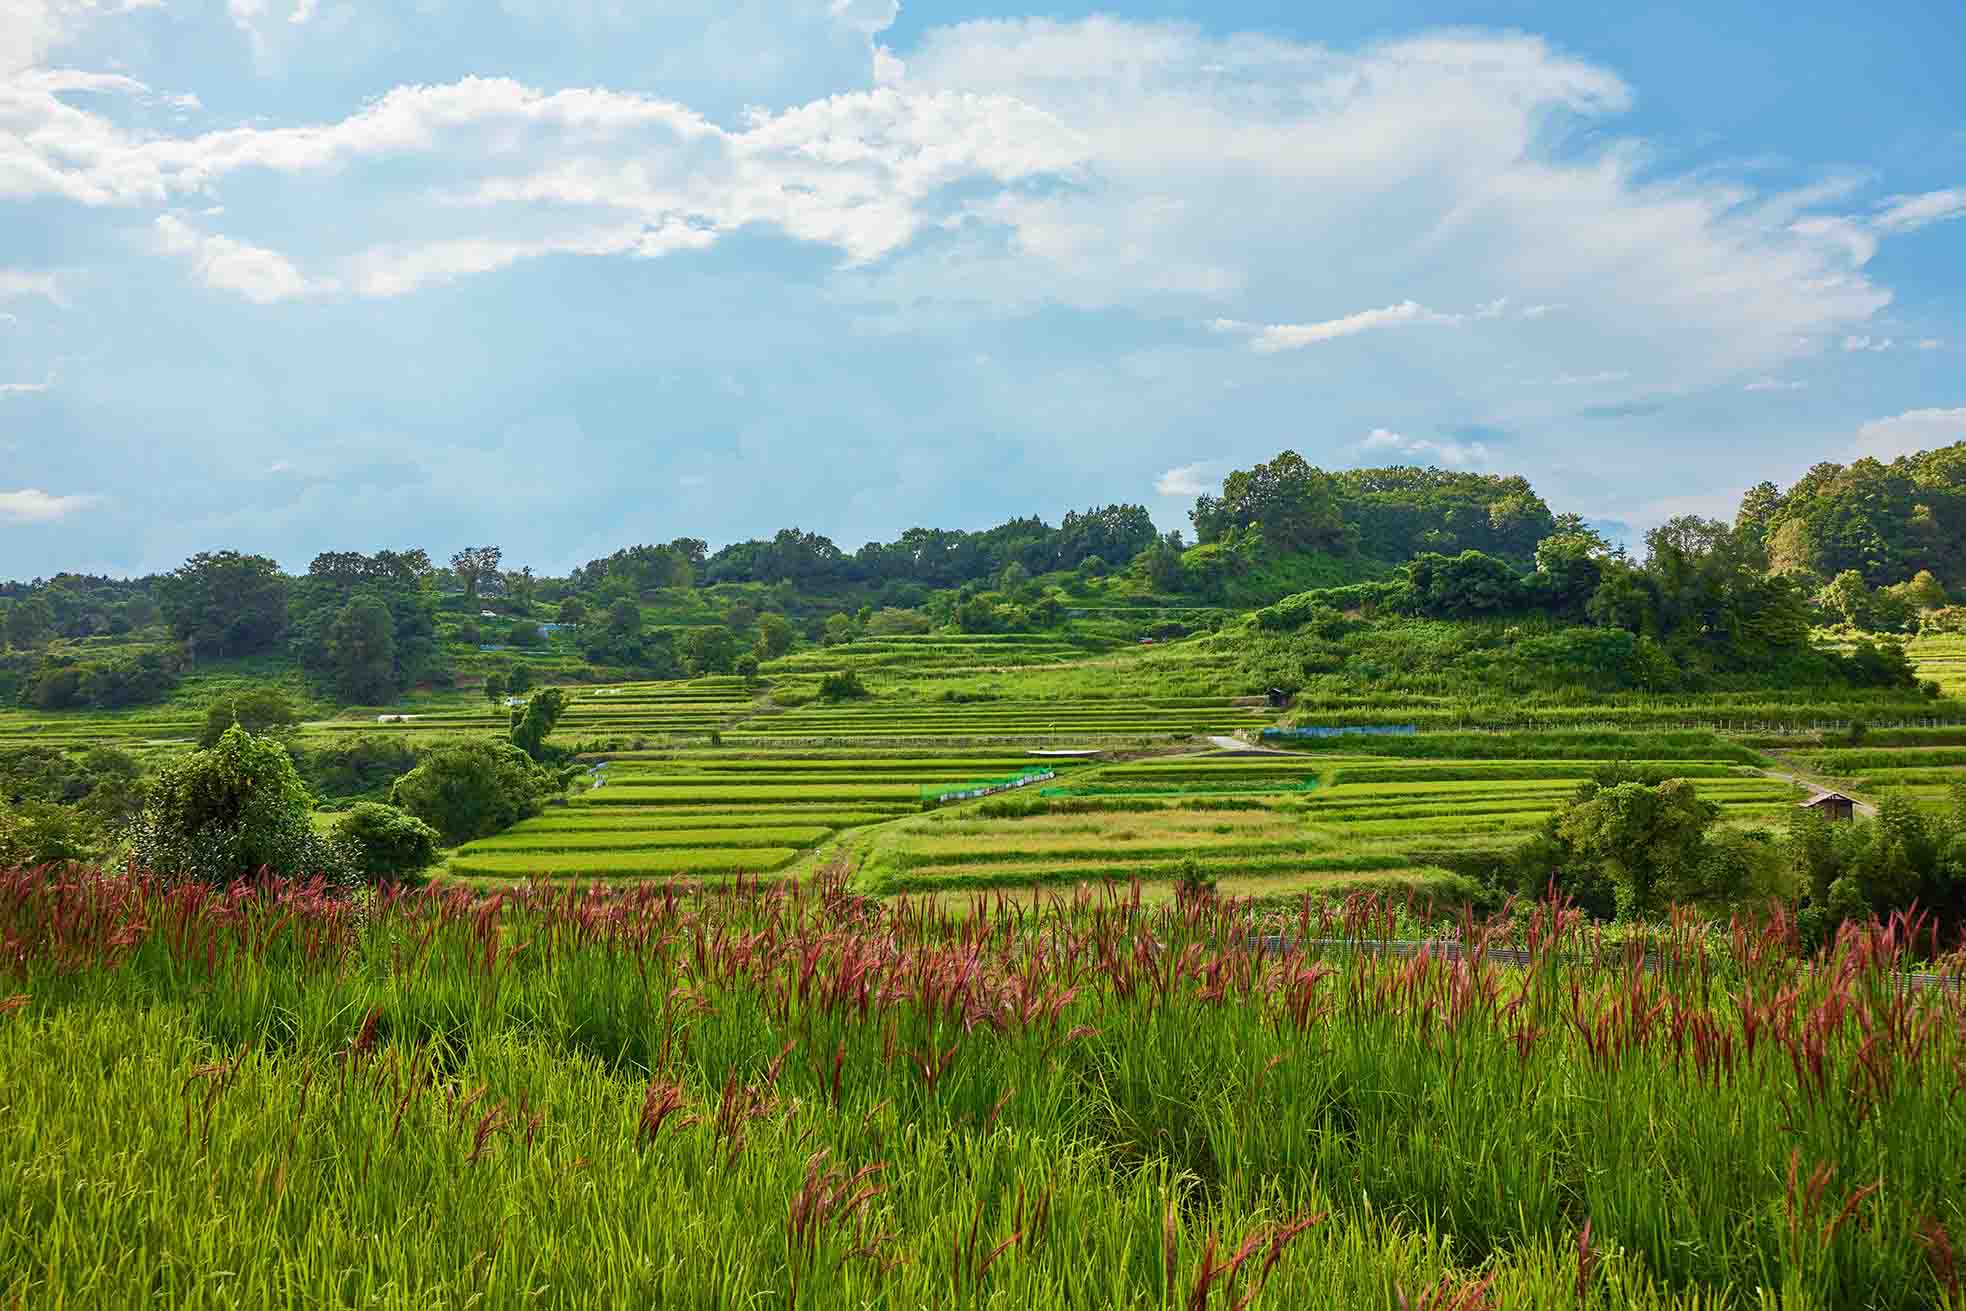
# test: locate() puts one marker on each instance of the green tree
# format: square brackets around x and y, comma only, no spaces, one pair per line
[231,811]
[473,789]
[362,651]
[521,586]
[842,685]
[386,843]
[1650,840]
[774,635]
[573,611]
[36,833]
[519,680]
[30,621]
[223,603]
[710,650]
[1848,599]
[1162,565]
[1294,505]
[533,721]
[258,710]
[495,686]
[477,568]
[625,618]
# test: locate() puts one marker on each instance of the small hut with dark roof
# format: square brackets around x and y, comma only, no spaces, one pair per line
[1831,805]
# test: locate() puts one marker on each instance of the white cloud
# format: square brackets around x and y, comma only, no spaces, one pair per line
[1185,480]
[1914,430]
[399,270]
[1597,379]
[29,29]
[21,388]
[1774,384]
[31,505]
[1272,337]
[1174,166]
[1866,343]
[260,275]
[1909,213]
[1930,344]
[25,282]
[1455,454]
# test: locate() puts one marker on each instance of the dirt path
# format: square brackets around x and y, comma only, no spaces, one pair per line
[1816,789]
[1239,747]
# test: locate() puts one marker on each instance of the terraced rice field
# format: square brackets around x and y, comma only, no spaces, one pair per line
[1943,660]
[715,812]
[1019,720]
[1345,821]
[942,652]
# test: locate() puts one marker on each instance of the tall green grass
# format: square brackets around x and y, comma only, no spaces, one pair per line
[788,1096]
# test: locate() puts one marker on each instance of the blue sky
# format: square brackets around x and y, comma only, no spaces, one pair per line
[296,275]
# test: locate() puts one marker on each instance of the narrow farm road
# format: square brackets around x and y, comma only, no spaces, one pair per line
[1240,747]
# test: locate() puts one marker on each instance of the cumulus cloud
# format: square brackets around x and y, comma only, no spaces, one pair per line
[223,264]
[1914,430]
[1453,453]
[32,505]
[1192,167]
[1909,213]
[22,388]
[1867,343]
[1185,480]
[1774,384]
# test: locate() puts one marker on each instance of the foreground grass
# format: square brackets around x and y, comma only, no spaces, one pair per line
[789,1096]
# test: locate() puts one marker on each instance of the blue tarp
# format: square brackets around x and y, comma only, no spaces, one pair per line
[1341,730]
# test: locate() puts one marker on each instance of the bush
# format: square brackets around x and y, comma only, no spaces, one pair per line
[473,790]
[469,633]
[258,710]
[385,842]
[845,685]
[230,811]
[42,833]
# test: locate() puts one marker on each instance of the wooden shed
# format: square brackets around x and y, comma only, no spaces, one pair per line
[1832,805]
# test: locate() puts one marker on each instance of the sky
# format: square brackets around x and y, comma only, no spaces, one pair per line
[563,275]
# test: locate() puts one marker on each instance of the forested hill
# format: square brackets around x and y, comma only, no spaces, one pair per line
[1888,522]
[1875,546]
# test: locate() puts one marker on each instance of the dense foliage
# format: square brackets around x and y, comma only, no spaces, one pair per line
[235,810]
[1885,521]
[386,843]
[473,789]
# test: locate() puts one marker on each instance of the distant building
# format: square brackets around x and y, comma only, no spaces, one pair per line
[1832,805]
[1279,698]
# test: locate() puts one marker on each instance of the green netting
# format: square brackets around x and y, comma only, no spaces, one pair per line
[983,787]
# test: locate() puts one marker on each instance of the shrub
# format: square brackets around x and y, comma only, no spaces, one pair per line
[258,710]
[473,790]
[385,842]
[525,634]
[41,833]
[845,685]
[230,811]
